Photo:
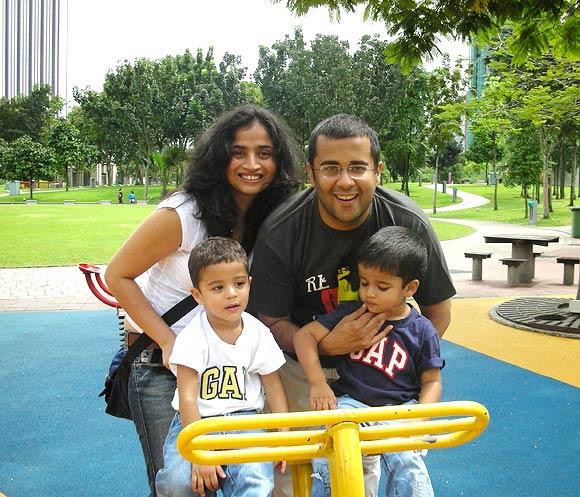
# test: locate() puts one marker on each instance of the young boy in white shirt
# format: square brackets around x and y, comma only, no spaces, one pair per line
[225,361]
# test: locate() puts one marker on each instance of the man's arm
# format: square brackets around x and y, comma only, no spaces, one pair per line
[439,314]
[283,330]
[357,331]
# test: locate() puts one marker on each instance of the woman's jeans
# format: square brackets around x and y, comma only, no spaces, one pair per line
[242,480]
[405,472]
[151,389]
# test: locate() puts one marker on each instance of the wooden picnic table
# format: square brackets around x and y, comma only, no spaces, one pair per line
[523,248]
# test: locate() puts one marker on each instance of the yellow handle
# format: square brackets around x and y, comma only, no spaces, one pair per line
[342,438]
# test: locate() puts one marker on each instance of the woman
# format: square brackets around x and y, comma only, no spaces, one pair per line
[242,166]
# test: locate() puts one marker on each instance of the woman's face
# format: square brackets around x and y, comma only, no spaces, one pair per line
[252,166]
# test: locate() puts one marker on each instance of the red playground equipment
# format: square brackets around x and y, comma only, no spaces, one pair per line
[97,285]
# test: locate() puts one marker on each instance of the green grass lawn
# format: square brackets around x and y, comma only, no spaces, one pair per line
[450,231]
[54,235]
[62,235]
[88,194]
[510,208]
[424,196]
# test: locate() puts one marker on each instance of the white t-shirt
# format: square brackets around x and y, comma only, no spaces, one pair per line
[228,375]
[167,282]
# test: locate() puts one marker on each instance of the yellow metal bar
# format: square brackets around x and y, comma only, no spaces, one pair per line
[301,479]
[346,471]
[341,437]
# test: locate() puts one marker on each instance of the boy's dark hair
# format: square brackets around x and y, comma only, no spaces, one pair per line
[395,250]
[206,175]
[215,250]
[342,126]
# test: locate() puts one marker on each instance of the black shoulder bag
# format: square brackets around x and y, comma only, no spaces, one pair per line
[116,389]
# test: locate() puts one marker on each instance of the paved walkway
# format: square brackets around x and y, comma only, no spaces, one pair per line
[64,288]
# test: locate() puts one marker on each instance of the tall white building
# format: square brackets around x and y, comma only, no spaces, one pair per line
[31,50]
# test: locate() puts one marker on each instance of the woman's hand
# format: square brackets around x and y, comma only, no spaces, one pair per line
[167,349]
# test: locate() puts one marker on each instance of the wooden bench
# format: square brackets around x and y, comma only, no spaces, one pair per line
[513,265]
[569,263]
[476,267]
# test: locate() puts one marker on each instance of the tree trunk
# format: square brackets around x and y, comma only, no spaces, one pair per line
[494,174]
[545,173]
[562,171]
[435,183]
[146,180]
[573,176]
[66,172]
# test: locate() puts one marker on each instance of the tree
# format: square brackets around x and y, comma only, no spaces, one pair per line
[306,84]
[489,117]
[443,115]
[29,160]
[523,160]
[546,94]
[103,128]
[415,25]
[29,115]
[69,149]
[148,105]
[167,162]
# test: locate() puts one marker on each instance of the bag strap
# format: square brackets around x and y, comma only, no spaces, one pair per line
[170,317]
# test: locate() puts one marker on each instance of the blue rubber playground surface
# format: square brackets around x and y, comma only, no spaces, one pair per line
[56,440]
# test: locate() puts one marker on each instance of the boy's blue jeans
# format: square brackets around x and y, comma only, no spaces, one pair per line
[405,472]
[242,480]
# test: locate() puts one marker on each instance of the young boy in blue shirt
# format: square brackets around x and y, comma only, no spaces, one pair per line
[405,366]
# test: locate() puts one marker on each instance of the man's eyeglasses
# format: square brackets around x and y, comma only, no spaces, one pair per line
[356,171]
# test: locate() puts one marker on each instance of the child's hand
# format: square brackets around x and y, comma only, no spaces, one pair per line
[280,466]
[322,397]
[203,477]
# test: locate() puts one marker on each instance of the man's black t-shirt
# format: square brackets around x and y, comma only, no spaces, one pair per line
[302,268]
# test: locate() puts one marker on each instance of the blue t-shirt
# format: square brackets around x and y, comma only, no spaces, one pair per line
[390,371]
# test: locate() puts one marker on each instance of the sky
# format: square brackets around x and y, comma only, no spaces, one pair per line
[103,33]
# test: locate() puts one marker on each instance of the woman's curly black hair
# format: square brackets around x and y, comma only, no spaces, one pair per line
[206,174]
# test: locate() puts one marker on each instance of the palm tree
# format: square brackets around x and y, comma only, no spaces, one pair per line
[168,162]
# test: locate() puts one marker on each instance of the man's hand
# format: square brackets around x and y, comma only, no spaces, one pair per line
[280,466]
[203,477]
[357,331]
[322,397]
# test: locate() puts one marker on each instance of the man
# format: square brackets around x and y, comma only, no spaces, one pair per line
[303,263]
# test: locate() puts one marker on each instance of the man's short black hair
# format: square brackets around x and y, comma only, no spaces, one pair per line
[397,251]
[342,126]
[214,250]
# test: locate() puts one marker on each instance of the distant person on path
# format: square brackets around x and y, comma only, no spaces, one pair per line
[304,257]
[242,167]
[403,367]
[120,196]
[131,197]
[226,349]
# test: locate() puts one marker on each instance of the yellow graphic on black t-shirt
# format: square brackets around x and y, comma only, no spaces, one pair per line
[345,284]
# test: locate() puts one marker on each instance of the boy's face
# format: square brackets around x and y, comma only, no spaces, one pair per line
[223,290]
[381,291]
